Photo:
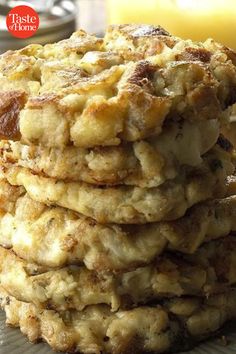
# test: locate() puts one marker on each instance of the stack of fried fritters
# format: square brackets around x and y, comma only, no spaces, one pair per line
[116,228]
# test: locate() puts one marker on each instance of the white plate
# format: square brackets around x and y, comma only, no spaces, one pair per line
[13,342]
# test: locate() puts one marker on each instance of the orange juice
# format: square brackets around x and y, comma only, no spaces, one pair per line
[195,19]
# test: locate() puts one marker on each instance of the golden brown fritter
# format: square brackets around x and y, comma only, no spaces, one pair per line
[100,92]
[128,204]
[136,42]
[174,326]
[147,163]
[56,237]
[212,269]
[9,196]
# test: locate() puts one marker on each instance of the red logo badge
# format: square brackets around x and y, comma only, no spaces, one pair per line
[22,21]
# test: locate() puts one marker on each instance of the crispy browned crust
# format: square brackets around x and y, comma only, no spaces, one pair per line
[120,88]
[9,196]
[174,326]
[136,42]
[11,103]
[195,54]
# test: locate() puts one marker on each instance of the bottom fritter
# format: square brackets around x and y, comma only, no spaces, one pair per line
[175,325]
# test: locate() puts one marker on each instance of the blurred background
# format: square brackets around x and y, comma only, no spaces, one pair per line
[195,19]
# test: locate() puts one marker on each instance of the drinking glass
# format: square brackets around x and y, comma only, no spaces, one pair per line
[194,19]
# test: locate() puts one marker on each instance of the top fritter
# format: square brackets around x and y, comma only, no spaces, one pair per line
[86,91]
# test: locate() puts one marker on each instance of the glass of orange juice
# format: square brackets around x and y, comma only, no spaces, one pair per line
[194,19]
